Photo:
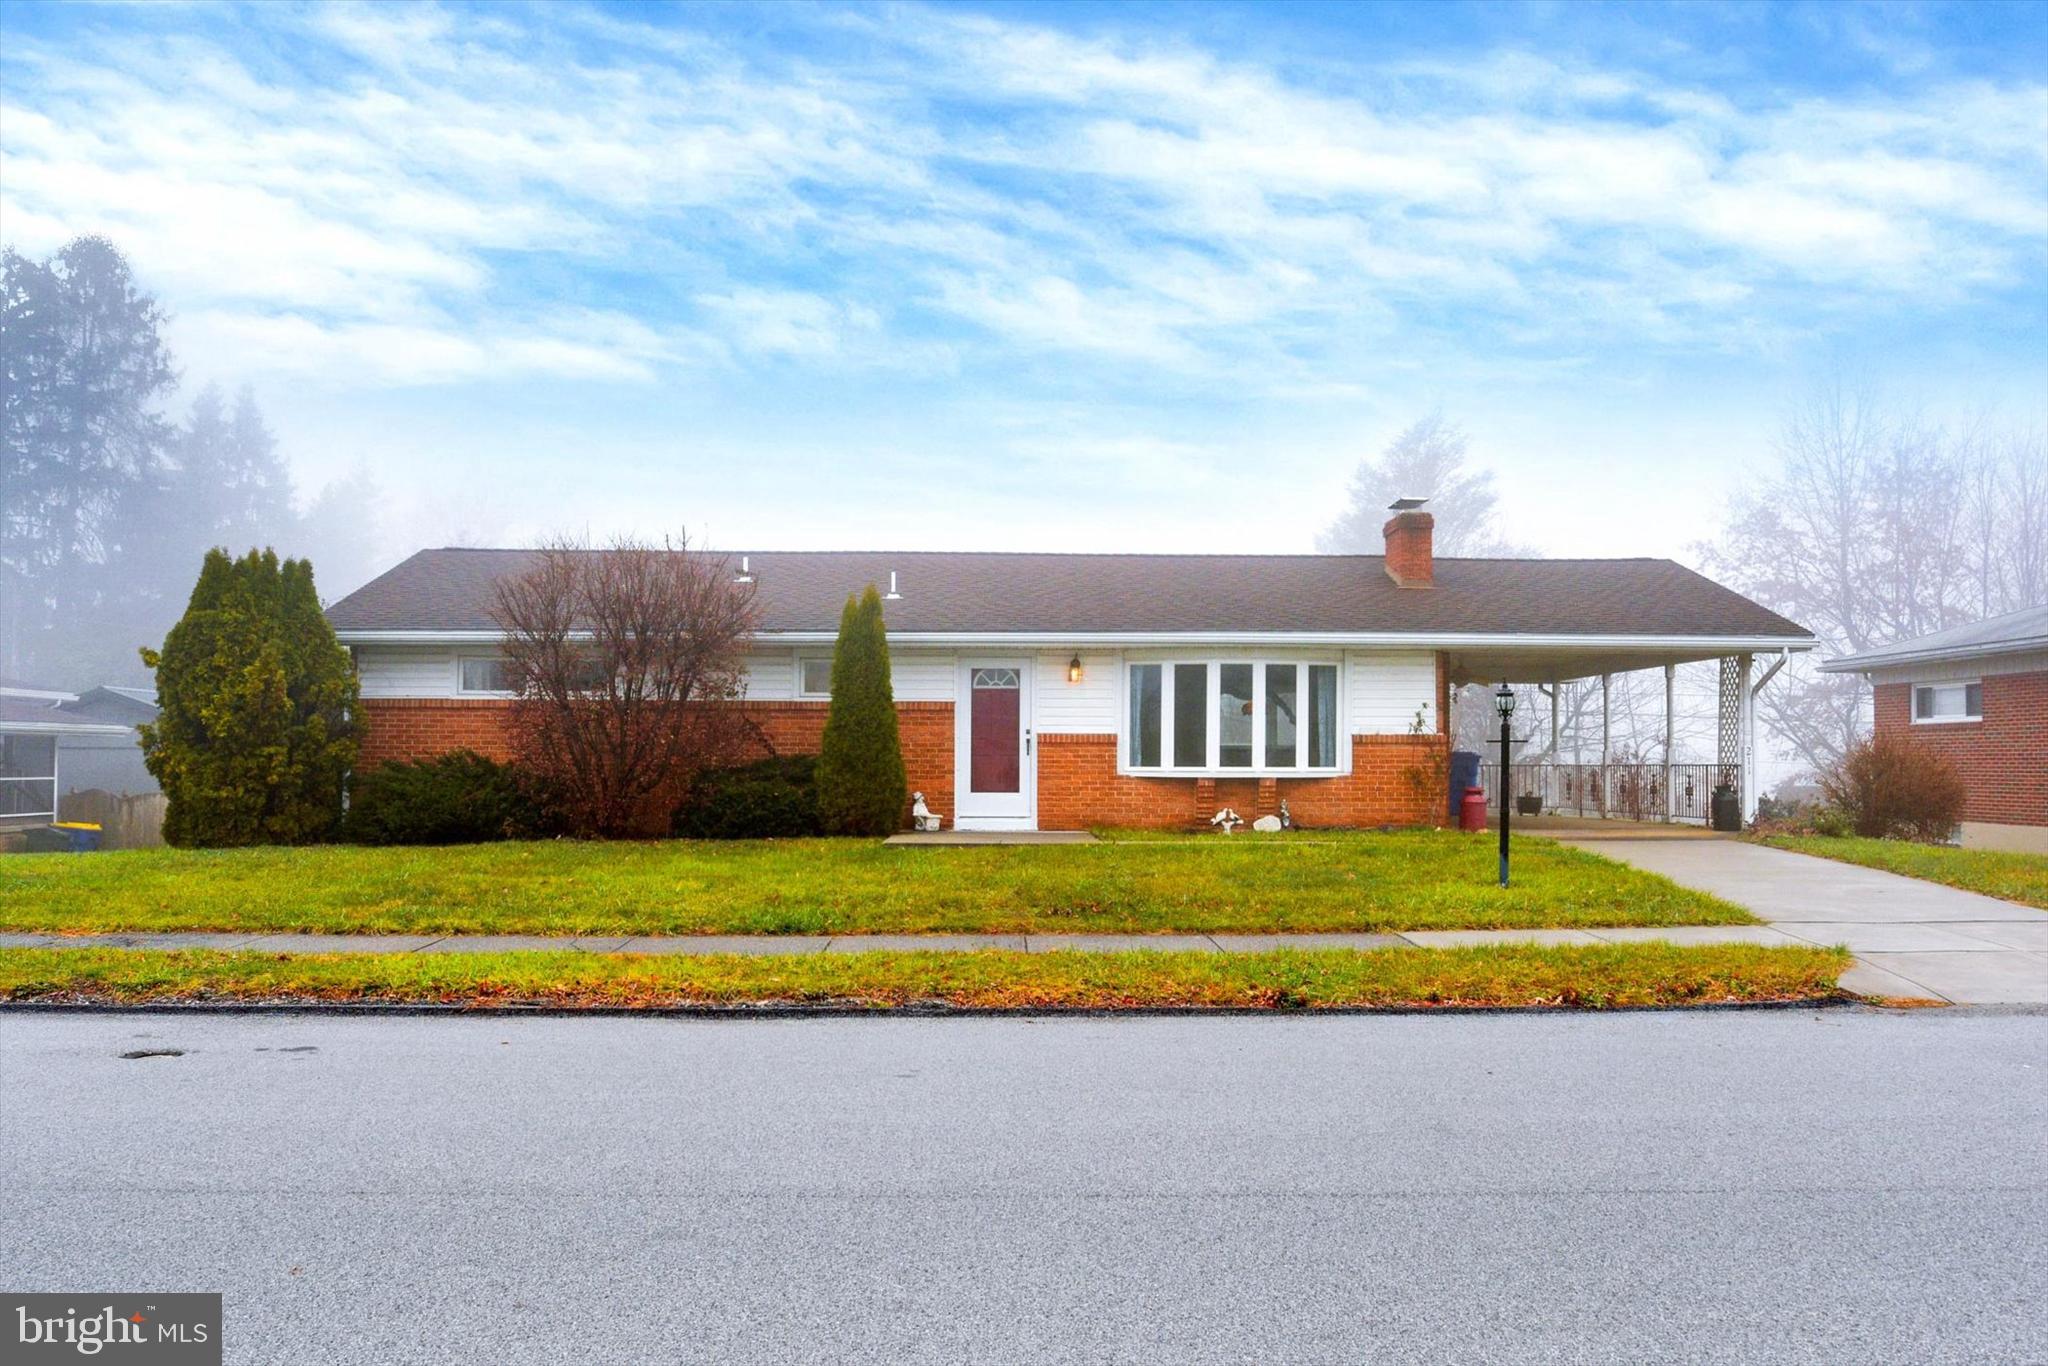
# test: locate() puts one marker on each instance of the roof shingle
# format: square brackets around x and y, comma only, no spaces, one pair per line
[1003,593]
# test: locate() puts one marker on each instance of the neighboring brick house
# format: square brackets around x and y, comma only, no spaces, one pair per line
[1979,694]
[1043,691]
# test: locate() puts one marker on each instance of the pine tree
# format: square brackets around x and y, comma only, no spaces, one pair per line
[254,738]
[862,789]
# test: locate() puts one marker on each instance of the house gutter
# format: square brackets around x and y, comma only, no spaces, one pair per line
[63,728]
[1160,639]
[1870,663]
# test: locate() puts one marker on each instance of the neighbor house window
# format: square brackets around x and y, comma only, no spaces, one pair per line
[1231,715]
[28,775]
[1936,702]
[814,676]
[485,674]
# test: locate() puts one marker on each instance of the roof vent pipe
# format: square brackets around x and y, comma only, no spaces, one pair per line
[892,594]
[746,574]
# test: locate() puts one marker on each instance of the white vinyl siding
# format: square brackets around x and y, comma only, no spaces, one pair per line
[770,678]
[406,670]
[923,677]
[1088,707]
[1382,690]
[1964,670]
[1387,688]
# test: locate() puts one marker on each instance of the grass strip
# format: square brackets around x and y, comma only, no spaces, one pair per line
[1495,975]
[1322,880]
[1993,872]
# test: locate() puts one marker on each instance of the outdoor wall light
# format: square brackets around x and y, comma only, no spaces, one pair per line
[1074,669]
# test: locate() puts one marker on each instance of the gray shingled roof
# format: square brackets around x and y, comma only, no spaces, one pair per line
[451,590]
[2013,633]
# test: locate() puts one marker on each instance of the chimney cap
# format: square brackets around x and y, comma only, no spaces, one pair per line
[1407,504]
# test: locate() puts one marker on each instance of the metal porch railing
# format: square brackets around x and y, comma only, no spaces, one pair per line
[1630,792]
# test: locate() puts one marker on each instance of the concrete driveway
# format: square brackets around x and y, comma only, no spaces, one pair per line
[1910,938]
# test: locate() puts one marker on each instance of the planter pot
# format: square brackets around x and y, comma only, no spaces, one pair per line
[1528,806]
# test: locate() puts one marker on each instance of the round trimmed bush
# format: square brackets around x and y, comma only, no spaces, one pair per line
[455,798]
[771,799]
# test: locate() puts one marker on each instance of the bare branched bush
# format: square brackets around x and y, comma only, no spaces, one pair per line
[628,663]
[1889,787]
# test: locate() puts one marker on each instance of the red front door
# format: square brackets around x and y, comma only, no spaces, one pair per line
[995,764]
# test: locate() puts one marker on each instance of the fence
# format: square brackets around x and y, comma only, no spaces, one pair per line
[1629,792]
[126,821]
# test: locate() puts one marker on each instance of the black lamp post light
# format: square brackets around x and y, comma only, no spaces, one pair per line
[1504,703]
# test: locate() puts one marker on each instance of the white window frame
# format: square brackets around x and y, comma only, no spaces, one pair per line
[797,687]
[461,691]
[1213,736]
[1961,685]
[54,780]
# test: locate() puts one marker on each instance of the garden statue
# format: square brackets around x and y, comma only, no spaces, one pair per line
[921,816]
[1286,816]
[1228,819]
[1267,825]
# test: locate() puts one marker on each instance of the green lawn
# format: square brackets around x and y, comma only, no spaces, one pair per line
[2011,877]
[1324,881]
[1508,975]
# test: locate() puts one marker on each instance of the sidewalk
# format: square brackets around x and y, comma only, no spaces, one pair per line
[1910,937]
[857,943]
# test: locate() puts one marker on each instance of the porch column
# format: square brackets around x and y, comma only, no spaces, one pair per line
[1670,730]
[1728,725]
[1606,736]
[1749,788]
[1556,700]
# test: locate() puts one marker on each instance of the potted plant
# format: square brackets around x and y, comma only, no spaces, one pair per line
[1528,804]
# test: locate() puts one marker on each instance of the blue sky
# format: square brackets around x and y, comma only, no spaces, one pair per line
[1062,277]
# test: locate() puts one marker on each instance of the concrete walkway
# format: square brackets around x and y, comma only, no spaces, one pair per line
[1910,937]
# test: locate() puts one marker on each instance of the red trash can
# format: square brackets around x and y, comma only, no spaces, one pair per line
[1472,811]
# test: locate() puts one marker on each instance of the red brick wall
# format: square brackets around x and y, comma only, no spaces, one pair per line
[420,727]
[1078,786]
[2003,758]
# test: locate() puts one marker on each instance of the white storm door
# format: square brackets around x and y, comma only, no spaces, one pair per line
[994,775]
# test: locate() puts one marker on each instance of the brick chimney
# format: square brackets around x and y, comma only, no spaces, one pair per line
[1409,532]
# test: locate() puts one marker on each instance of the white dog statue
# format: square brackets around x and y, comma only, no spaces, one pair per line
[922,816]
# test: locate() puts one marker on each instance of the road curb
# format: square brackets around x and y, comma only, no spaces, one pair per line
[776,1010]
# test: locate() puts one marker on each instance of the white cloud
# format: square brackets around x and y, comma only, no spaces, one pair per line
[1150,204]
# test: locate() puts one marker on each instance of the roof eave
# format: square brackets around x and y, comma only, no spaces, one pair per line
[1871,662]
[1730,644]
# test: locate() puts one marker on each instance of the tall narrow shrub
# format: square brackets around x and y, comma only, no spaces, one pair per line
[861,786]
[254,738]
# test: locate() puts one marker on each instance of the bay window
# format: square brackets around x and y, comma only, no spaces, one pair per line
[1231,716]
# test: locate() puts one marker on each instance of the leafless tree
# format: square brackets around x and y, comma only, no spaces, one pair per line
[1426,460]
[1879,526]
[627,662]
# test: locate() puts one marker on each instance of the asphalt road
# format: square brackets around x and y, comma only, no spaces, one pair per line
[1810,1186]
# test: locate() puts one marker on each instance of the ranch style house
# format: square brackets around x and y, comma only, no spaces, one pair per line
[1060,691]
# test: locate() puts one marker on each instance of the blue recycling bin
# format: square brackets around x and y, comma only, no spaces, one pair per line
[1464,774]
[82,837]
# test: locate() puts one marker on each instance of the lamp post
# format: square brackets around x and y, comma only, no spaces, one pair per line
[1504,703]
